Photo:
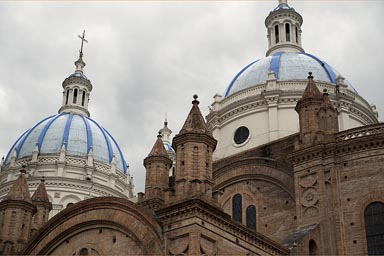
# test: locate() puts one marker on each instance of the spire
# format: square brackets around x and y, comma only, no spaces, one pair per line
[158,148]
[166,132]
[282,2]
[195,121]
[40,194]
[311,91]
[19,190]
[77,87]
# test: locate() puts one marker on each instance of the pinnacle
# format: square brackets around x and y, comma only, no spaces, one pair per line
[19,190]
[40,194]
[327,104]
[158,148]
[311,91]
[195,121]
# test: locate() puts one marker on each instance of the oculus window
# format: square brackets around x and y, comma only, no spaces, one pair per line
[241,135]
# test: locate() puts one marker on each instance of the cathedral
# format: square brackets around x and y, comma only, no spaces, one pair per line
[289,161]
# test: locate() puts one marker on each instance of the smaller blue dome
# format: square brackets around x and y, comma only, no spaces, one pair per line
[283,6]
[286,66]
[169,148]
[78,133]
[78,75]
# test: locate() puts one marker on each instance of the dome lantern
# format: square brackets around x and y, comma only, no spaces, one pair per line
[77,88]
[284,29]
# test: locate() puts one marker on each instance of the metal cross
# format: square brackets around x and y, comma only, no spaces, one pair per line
[82,42]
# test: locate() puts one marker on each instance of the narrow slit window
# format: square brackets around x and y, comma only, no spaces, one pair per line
[251,217]
[276,33]
[296,35]
[287,33]
[237,208]
[83,99]
[66,96]
[74,96]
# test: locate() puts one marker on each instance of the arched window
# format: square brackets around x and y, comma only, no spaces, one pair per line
[83,99]
[83,251]
[74,96]
[237,208]
[276,34]
[313,248]
[296,35]
[251,217]
[374,228]
[66,96]
[287,33]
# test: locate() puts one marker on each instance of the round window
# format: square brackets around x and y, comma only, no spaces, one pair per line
[241,135]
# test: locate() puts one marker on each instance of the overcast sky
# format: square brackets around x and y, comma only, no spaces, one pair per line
[148,58]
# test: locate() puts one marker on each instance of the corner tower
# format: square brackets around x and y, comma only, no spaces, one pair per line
[16,212]
[283,29]
[194,146]
[157,165]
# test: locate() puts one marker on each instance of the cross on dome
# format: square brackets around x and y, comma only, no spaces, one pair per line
[82,42]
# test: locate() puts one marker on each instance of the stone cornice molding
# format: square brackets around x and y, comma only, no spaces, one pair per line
[274,15]
[77,80]
[61,182]
[253,99]
[361,139]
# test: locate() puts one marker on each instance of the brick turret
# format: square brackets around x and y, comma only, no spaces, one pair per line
[194,146]
[157,166]
[41,201]
[317,116]
[16,216]
[328,118]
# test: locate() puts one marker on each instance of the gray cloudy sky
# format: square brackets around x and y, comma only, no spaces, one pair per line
[148,58]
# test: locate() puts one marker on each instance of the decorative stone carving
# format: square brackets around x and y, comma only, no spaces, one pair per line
[309,197]
[308,181]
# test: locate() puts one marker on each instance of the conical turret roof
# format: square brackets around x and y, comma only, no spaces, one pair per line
[158,148]
[40,194]
[19,190]
[195,121]
[311,91]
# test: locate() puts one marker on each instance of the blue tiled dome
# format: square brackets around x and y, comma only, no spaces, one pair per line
[77,132]
[169,148]
[286,66]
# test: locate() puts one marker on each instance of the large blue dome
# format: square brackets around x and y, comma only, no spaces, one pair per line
[286,66]
[77,132]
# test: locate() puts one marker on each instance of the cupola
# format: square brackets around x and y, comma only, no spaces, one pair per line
[77,88]
[283,29]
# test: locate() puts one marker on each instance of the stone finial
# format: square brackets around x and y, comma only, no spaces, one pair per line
[327,104]
[35,153]
[90,157]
